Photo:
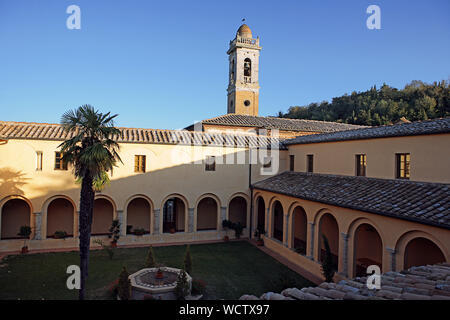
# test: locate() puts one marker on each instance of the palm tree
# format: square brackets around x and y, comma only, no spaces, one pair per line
[92,151]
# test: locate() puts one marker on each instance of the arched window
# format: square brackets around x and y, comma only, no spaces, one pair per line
[232,72]
[247,69]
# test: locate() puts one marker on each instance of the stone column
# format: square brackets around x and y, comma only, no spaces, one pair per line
[223,214]
[393,253]
[156,221]
[123,227]
[345,255]
[191,220]
[267,223]
[37,225]
[286,230]
[311,240]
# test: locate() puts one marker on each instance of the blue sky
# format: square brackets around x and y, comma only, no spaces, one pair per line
[163,64]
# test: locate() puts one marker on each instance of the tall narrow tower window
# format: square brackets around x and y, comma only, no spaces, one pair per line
[247,70]
[232,72]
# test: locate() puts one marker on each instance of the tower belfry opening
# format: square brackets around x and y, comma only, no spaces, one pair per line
[243,86]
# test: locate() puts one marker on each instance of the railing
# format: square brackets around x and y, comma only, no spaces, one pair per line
[249,41]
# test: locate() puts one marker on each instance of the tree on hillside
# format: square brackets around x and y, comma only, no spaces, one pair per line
[416,101]
[91,151]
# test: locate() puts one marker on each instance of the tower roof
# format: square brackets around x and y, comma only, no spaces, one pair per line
[244,31]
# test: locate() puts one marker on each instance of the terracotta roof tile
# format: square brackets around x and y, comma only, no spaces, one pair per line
[356,289]
[435,126]
[45,131]
[279,123]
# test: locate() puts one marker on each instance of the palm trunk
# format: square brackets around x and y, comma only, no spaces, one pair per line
[86,210]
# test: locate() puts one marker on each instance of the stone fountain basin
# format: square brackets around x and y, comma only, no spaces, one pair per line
[144,282]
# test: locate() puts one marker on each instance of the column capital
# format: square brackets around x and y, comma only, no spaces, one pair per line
[391,251]
[345,236]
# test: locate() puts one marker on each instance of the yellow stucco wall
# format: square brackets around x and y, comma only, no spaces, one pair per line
[170,170]
[429,156]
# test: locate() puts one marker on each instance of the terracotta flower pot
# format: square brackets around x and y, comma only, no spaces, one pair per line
[113,244]
[260,242]
[172,230]
[159,275]
[24,249]
[226,239]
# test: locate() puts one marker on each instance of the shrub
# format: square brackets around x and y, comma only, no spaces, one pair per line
[60,234]
[139,231]
[150,262]
[115,231]
[112,289]
[24,231]
[124,285]
[188,260]
[198,286]
[237,229]
[182,288]
[109,249]
[327,263]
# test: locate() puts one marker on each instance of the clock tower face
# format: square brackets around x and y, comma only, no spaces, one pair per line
[243,85]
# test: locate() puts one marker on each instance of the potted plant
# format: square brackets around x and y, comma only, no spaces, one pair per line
[25,232]
[139,231]
[238,228]
[258,233]
[172,230]
[60,234]
[226,224]
[114,233]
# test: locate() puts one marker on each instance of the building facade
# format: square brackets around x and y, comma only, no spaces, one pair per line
[380,195]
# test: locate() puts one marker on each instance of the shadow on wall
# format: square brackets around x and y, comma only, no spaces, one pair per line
[11,181]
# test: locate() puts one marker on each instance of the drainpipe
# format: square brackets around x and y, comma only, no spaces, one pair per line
[251,191]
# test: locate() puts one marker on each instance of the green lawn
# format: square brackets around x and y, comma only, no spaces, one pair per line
[229,270]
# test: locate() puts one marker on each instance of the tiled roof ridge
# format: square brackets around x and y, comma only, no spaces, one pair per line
[429,282]
[353,133]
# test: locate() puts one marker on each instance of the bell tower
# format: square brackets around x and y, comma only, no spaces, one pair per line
[243,83]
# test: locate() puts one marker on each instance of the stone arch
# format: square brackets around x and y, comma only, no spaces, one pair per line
[103,214]
[277,220]
[260,216]
[59,213]
[328,225]
[238,208]
[15,211]
[403,253]
[138,213]
[298,222]
[207,212]
[174,213]
[368,245]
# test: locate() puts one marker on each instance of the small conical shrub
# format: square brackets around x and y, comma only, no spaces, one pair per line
[327,263]
[182,288]
[150,262]
[188,260]
[124,286]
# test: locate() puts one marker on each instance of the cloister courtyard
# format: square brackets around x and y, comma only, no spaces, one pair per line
[229,270]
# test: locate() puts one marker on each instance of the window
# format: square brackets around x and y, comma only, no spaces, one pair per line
[59,163]
[267,162]
[291,162]
[247,103]
[210,164]
[310,163]
[402,165]
[139,163]
[361,165]
[38,160]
